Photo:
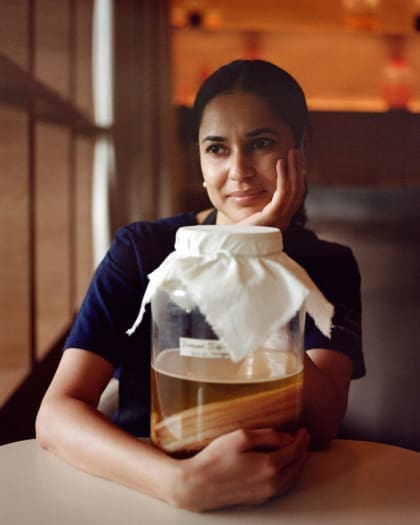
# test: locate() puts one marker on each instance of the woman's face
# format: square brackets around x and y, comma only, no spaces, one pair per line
[240,141]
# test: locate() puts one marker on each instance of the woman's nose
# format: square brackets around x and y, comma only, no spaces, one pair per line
[241,166]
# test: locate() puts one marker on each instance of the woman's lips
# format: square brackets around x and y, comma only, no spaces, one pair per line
[245,198]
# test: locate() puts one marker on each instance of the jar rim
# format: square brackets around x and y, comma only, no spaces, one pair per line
[236,239]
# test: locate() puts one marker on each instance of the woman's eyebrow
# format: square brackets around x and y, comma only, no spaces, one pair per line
[260,131]
[213,138]
[248,134]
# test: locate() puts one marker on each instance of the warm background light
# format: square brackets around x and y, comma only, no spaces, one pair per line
[338,50]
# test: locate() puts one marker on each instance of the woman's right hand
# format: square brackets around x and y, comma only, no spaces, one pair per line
[242,467]
[288,195]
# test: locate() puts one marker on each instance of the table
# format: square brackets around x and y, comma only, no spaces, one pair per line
[352,482]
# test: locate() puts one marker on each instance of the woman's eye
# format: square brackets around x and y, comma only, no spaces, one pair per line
[261,143]
[216,149]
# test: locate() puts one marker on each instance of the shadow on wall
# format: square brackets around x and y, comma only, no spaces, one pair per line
[382,226]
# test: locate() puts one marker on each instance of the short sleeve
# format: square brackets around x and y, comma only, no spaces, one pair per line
[111,302]
[114,296]
[340,282]
[334,270]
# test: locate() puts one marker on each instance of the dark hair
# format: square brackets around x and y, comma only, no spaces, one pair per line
[264,79]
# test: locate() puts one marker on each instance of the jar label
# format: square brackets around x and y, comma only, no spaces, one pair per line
[210,348]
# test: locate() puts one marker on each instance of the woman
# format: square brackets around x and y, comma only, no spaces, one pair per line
[250,122]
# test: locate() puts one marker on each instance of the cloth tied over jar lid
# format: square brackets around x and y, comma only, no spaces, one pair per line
[242,282]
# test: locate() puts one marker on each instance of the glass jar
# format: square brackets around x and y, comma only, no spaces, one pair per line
[199,392]
[228,312]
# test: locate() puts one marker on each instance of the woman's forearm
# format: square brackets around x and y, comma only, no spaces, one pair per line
[83,437]
[240,467]
[260,463]
[326,380]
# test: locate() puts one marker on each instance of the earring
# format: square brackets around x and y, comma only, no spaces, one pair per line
[204,184]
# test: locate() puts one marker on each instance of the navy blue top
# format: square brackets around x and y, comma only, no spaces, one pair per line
[112,303]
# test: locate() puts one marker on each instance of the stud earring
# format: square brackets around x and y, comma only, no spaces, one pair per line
[204,184]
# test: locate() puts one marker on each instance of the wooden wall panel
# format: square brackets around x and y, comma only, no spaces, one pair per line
[52,234]
[362,149]
[52,44]
[14,19]
[45,178]
[14,249]
[83,96]
[83,217]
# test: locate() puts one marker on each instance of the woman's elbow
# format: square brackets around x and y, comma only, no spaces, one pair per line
[323,432]
[320,440]
[43,430]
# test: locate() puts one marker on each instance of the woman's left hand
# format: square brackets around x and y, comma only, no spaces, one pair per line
[287,197]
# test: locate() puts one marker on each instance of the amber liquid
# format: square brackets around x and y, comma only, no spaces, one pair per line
[195,400]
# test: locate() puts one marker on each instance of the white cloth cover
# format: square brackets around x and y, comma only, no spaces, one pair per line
[242,281]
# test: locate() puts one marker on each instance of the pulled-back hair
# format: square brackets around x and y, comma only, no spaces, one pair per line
[264,79]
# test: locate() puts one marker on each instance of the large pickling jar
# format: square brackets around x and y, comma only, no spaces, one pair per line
[228,312]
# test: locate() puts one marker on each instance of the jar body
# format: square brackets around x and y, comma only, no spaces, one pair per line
[199,393]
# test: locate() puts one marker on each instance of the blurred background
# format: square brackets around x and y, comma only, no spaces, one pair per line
[94,104]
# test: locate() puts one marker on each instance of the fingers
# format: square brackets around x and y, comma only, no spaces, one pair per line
[289,191]
[296,177]
[288,475]
[291,185]
[276,471]
[293,451]
[284,466]
[263,439]
[287,196]
[244,440]
[243,467]
[281,179]
[281,448]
